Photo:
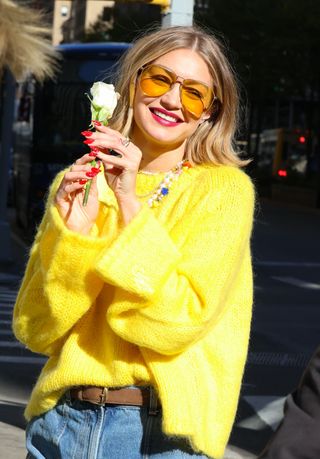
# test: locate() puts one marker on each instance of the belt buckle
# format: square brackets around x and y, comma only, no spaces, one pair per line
[103,397]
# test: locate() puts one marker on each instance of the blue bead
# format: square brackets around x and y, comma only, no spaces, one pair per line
[164,191]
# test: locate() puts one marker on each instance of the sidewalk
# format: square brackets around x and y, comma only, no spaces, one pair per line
[12,437]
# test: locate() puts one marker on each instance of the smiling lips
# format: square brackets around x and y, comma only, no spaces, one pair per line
[165,118]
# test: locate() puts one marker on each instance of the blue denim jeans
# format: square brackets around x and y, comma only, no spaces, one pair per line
[81,430]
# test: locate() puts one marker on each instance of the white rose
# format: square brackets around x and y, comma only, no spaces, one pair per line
[104,100]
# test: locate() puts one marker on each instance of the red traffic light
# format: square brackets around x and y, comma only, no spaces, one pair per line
[302,139]
[282,173]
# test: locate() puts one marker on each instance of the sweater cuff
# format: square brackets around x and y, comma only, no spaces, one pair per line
[73,252]
[141,258]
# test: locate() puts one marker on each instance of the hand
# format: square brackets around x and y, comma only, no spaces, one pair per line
[120,172]
[70,194]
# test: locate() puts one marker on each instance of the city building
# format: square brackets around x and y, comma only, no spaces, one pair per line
[71,18]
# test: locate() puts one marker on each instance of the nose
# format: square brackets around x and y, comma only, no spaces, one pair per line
[171,99]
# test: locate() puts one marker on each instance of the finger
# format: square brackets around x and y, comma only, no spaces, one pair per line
[67,192]
[72,187]
[85,159]
[80,167]
[75,176]
[109,160]
[109,140]
[84,167]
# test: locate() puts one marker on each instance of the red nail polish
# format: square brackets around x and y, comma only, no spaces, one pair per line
[86,133]
[93,153]
[95,149]
[95,170]
[91,174]
[88,141]
[97,123]
[83,181]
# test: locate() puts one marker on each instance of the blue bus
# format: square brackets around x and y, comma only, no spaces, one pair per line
[48,122]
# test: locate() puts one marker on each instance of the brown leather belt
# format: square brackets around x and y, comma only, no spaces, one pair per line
[102,395]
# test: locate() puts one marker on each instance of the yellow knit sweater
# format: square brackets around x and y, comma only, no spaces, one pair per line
[165,300]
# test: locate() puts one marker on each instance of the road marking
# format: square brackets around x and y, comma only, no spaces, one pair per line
[6,313]
[5,322]
[268,409]
[11,344]
[27,360]
[297,282]
[289,264]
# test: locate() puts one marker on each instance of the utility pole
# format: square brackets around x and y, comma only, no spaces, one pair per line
[180,13]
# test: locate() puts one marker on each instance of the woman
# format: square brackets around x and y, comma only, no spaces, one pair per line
[142,298]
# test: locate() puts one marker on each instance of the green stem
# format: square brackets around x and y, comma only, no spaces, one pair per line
[88,186]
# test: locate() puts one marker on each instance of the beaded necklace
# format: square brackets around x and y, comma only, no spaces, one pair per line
[162,190]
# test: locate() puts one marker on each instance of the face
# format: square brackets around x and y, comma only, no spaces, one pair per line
[165,119]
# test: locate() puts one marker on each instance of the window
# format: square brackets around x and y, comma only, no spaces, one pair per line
[64,11]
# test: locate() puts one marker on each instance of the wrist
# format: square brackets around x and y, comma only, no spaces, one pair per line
[84,230]
[129,207]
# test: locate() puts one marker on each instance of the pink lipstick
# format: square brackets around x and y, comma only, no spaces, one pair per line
[164,117]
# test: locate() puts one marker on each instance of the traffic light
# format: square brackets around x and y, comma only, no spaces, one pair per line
[282,173]
[302,139]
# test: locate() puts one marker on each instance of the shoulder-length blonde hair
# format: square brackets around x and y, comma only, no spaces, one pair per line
[213,141]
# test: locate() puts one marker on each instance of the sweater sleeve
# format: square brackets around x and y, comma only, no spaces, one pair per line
[51,299]
[171,290]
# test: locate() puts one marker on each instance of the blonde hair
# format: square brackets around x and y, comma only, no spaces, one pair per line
[213,141]
[25,44]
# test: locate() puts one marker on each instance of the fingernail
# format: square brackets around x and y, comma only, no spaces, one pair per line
[95,170]
[83,181]
[95,149]
[97,123]
[93,153]
[86,133]
[88,141]
[91,174]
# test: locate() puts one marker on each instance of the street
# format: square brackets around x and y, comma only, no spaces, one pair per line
[285,327]
[285,330]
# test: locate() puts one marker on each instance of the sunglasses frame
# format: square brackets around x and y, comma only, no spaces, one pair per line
[175,78]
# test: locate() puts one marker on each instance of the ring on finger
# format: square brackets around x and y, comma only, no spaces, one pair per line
[125,142]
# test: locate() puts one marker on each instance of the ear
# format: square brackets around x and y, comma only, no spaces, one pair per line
[205,117]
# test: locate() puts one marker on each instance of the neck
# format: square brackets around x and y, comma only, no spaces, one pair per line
[158,158]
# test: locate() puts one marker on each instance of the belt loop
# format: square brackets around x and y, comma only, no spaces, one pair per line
[153,402]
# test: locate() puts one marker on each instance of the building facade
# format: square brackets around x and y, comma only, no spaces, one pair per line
[71,18]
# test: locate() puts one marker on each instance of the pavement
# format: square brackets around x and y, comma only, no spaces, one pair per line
[12,425]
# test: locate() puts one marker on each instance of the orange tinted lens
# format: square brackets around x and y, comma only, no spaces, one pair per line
[155,81]
[196,97]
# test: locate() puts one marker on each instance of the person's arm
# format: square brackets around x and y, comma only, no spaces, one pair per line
[59,284]
[298,434]
[172,288]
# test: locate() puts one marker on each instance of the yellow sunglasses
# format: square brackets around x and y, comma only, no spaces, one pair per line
[196,97]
